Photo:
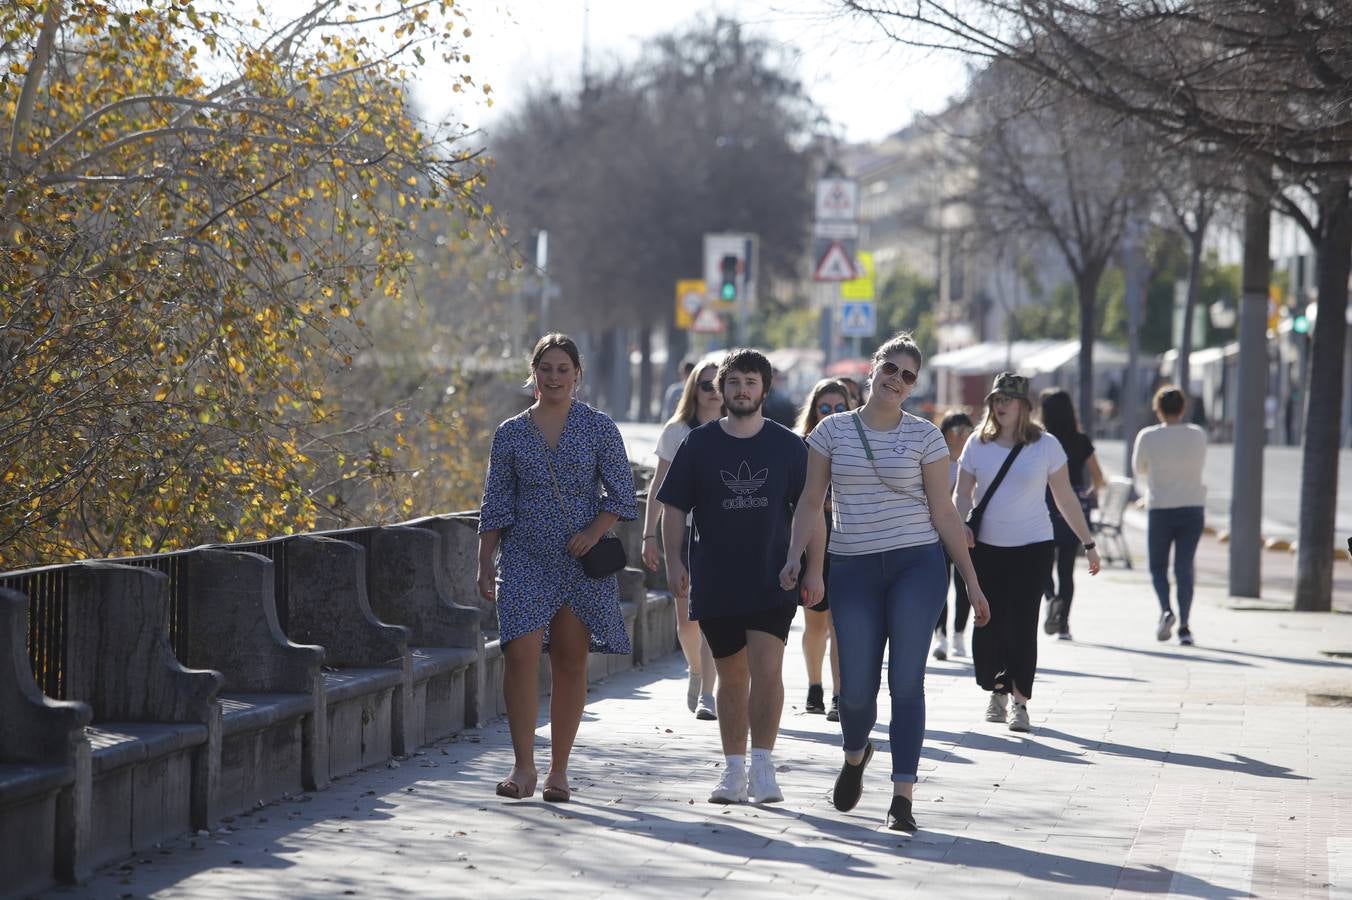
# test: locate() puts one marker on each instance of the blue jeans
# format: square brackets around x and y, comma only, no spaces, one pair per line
[1181,527]
[888,599]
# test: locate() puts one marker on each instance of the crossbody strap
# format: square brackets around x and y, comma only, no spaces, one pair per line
[999,477]
[868,451]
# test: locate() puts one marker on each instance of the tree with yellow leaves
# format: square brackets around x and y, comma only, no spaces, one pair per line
[192,200]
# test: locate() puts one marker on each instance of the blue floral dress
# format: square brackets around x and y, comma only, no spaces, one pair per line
[536,574]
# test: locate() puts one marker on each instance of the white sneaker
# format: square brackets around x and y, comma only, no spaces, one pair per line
[959,644]
[763,786]
[706,710]
[998,709]
[1165,629]
[693,683]
[1018,717]
[940,646]
[731,787]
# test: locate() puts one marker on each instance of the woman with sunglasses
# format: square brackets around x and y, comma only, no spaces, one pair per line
[890,508]
[1012,546]
[828,396]
[700,402]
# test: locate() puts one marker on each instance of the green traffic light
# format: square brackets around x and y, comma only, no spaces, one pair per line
[729,291]
[1300,325]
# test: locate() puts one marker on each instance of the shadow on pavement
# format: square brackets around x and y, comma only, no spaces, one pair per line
[1242,765]
[1198,654]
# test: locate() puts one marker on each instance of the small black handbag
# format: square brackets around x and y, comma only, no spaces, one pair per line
[607,556]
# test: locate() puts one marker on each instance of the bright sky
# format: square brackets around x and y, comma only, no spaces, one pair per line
[869,86]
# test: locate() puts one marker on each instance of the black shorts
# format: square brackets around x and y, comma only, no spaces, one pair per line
[727,634]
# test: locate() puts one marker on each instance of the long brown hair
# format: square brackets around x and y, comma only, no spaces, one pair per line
[808,416]
[687,410]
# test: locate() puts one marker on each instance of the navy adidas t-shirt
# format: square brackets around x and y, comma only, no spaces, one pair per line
[742,492]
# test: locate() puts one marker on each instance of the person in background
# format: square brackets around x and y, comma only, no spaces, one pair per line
[558,479]
[1170,457]
[672,397]
[700,403]
[828,396]
[1012,546]
[1086,479]
[956,428]
[779,406]
[856,392]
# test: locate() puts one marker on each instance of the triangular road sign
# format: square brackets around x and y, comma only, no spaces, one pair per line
[835,265]
[707,321]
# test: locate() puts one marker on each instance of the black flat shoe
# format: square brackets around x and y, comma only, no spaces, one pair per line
[899,816]
[850,782]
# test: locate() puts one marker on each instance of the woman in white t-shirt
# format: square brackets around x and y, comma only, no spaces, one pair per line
[890,506]
[700,403]
[1013,550]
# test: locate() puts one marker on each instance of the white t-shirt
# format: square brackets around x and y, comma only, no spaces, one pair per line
[1170,457]
[1017,514]
[868,516]
[668,442]
[670,439]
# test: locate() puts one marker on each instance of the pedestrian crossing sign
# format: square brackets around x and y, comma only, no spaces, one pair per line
[859,319]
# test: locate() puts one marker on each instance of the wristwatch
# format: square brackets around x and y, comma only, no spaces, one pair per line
[1090,546]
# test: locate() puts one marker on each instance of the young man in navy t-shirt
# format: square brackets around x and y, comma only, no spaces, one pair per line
[740,477]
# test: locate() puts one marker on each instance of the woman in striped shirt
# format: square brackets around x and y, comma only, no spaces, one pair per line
[888,474]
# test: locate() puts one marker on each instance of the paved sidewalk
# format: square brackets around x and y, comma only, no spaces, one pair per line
[1153,770]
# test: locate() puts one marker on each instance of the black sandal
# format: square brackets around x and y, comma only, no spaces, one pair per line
[850,782]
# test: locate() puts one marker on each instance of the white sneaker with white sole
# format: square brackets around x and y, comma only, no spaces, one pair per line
[1018,717]
[731,787]
[998,709]
[763,787]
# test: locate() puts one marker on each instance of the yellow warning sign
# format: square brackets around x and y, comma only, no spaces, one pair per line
[860,288]
[690,298]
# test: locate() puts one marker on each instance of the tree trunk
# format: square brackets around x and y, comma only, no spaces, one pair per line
[1129,412]
[1324,404]
[1246,487]
[645,374]
[1194,286]
[1087,288]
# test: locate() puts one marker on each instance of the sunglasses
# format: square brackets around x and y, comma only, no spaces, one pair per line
[707,386]
[826,409]
[891,369]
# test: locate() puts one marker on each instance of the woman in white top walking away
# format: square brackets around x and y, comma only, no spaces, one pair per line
[1169,456]
[890,507]
[1012,539]
[700,402]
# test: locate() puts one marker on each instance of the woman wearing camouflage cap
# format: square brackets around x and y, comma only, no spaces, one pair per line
[1004,473]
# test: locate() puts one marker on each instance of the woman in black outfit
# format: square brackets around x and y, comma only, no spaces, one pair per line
[1086,478]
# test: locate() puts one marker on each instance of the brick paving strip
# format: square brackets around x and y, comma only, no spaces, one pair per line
[1153,770]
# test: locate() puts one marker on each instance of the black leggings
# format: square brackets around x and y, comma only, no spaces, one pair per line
[1067,549]
[1004,653]
[962,607]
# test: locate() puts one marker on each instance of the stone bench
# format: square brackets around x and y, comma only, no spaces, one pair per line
[408,583]
[273,722]
[155,737]
[368,675]
[44,767]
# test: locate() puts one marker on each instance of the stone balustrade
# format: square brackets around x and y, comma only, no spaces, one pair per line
[184,688]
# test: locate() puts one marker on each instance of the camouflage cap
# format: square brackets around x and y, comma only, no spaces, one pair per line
[1009,385]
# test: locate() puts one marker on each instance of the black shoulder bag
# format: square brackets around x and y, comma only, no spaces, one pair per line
[606,557]
[974,517]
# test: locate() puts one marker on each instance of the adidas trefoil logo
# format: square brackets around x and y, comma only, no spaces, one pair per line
[744,484]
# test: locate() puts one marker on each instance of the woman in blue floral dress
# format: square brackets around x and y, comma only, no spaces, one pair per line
[545,601]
